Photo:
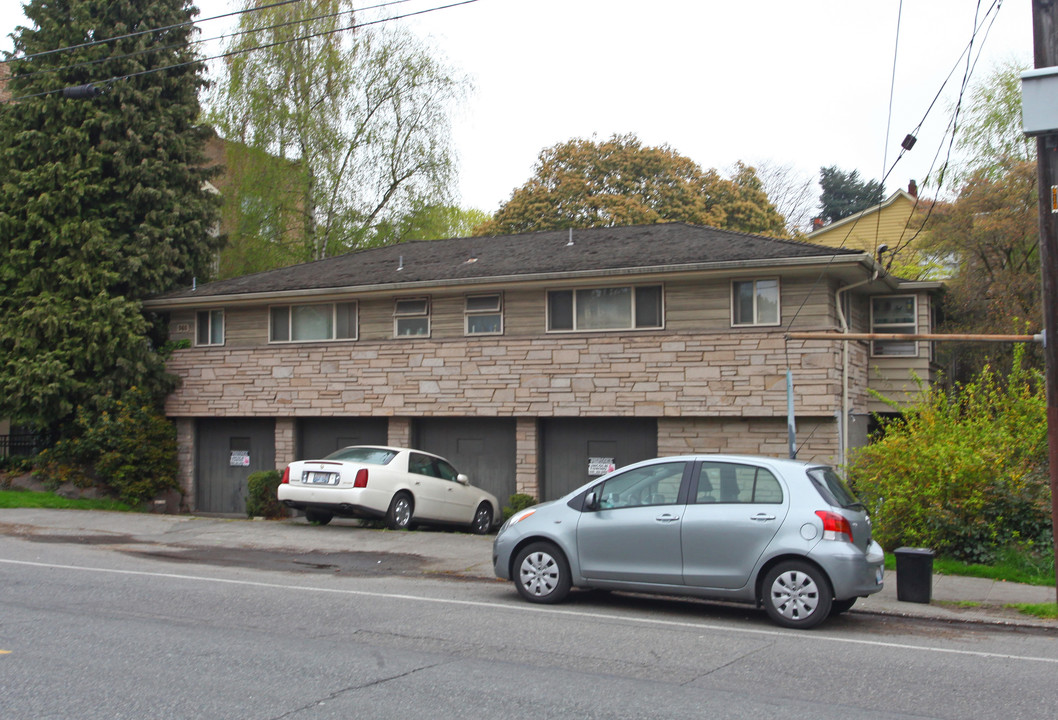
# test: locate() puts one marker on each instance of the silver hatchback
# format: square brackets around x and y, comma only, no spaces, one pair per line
[782,534]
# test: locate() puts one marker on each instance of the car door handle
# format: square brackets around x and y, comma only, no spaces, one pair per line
[761,517]
[667,518]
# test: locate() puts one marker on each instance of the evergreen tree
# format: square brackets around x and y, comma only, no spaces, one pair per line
[104,200]
[845,194]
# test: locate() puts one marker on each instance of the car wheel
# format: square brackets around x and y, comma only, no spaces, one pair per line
[482,522]
[796,595]
[839,606]
[318,517]
[541,573]
[398,517]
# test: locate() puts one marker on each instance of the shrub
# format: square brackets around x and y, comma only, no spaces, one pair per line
[125,446]
[261,500]
[516,502]
[964,471]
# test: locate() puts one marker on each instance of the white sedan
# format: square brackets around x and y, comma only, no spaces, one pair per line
[400,485]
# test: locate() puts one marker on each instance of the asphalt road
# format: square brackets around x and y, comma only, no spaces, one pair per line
[89,632]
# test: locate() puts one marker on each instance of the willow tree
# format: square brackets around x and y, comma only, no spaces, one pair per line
[583,183]
[334,129]
[103,201]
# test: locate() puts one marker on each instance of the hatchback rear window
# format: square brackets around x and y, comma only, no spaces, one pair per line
[369,455]
[833,488]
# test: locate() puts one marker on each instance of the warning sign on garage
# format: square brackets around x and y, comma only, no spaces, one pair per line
[600,466]
[240,458]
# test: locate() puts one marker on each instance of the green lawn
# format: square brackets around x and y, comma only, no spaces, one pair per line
[31,499]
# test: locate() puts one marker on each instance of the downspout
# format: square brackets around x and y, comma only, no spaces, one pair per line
[843,421]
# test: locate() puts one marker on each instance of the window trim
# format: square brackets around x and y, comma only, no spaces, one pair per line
[399,315]
[479,312]
[209,329]
[632,314]
[756,311]
[889,328]
[355,304]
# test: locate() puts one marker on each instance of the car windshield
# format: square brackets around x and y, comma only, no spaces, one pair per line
[833,488]
[369,455]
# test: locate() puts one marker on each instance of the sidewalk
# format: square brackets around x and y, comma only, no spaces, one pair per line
[954,598]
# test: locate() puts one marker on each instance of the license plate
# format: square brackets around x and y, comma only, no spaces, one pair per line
[321,478]
[878,575]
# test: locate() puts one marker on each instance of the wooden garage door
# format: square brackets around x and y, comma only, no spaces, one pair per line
[575,450]
[482,448]
[226,452]
[318,437]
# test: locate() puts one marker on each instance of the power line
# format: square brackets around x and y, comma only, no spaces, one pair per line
[162,48]
[147,32]
[241,51]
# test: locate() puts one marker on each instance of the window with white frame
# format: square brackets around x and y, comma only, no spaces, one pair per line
[610,308]
[484,314]
[304,323]
[411,317]
[894,314]
[755,302]
[209,328]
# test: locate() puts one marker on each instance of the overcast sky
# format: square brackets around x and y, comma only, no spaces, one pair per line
[805,84]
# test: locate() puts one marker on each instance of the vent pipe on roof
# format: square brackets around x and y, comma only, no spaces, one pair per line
[570,243]
[194,284]
[400,265]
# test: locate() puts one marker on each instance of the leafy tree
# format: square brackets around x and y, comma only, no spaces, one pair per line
[433,222]
[990,233]
[964,471]
[991,138]
[582,183]
[103,201]
[845,194]
[337,132]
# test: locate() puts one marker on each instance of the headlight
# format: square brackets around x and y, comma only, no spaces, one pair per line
[515,519]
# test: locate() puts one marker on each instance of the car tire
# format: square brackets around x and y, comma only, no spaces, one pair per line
[541,573]
[841,606]
[401,507]
[482,522]
[318,517]
[796,595]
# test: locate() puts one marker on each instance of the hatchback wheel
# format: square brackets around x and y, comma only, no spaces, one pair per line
[398,517]
[541,573]
[482,519]
[796,595]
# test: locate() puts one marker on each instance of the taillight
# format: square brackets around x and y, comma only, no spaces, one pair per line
[835,527]
[361,478]
[286,476]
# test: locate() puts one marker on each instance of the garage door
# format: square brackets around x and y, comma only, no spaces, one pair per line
[575,450]
[318,437]
[226,452]
[483,448]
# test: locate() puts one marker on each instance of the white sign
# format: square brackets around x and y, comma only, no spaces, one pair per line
[600,466]
[240,458]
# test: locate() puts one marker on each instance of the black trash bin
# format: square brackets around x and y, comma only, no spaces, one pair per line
[914,574]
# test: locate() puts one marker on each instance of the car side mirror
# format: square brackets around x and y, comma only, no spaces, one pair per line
[462,479]
[591,501]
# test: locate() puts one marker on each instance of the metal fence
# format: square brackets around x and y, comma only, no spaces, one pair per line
[20,444]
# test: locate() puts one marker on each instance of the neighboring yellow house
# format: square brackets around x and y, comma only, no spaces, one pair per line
[888,226]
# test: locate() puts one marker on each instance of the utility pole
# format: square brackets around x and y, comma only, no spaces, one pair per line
[1045,55]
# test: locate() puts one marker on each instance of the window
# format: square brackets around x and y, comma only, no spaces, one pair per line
[651,485]
[210,327]
[611,308]
[303,323]
[411,317]
[895,314]
[731,483]
[755,302]
[431,467]
[484,314]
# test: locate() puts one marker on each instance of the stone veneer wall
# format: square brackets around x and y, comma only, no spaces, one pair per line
[635,375]
[817,439]
[185,460]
